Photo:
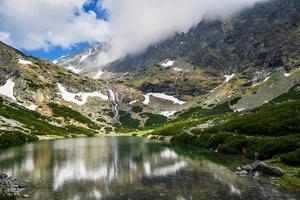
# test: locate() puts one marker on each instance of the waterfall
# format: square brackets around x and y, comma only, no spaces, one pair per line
[113,96]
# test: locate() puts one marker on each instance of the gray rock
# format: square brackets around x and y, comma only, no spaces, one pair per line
[276,171]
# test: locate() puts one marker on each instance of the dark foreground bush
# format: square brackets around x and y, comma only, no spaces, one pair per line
[292,158]
[8,138]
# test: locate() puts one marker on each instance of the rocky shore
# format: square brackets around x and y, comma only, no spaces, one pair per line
[11,189]
[258,168]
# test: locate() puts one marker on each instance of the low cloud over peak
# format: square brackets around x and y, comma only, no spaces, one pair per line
[130,27]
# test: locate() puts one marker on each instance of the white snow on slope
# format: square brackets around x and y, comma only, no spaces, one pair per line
[227,79]
[71,97]
[162,96]
[260,82]
[8,89]
[85,56]
[98,74]
[56,60]
[31,107]
[287,74]
[168,63]
[132,102]
[74,69]
[177,69]
[24,62]
[168,113]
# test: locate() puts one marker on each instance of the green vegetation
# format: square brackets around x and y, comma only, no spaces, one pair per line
[137,109]
[292,158]
[31,120]
[154,120]
[293,94]
[269,120]
[80,130]
[198,112]
[174,128]
[68,114]
[8,138]
[127,121]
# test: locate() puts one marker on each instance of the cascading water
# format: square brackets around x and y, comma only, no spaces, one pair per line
[113,96]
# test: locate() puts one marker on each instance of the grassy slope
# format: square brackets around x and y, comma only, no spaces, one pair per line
[270,133]
[35,124]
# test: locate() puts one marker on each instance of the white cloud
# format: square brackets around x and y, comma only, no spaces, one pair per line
[132,25]
[34,24]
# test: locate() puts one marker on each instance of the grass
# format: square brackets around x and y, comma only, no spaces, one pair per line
[137,109]
[127,121]
[198,112]
[8,138]
[154,120]
[68,113]
[174,128]
[269,120]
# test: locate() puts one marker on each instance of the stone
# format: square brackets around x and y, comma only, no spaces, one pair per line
[276,171]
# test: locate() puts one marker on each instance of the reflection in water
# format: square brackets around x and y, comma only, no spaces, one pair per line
[125,168]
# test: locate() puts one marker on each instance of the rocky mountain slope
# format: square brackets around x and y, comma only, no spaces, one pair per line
[262,38]
[83,61]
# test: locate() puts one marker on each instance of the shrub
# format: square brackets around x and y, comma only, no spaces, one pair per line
[292,158]
[127,121]
[174,128]
[137,109]
[80,130]
[8,138]
[154,120]
[68,113]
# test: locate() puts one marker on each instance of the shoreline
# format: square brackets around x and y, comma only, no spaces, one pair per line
[289,181]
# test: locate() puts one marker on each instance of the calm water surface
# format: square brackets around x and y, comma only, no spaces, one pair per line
[128,168]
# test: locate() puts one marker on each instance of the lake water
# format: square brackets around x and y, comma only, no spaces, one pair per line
[129,168]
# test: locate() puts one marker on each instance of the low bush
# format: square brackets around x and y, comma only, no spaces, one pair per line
[137,109]
[292,158]
[154,120]
[127,121]
[68,113]
[8,138]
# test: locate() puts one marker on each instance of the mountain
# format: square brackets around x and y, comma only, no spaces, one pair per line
[265,37]
[83,61]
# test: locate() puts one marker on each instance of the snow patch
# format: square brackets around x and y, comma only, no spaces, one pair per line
[74,69]
[73,97]
[168,113]
[31,107]
[162,96]
[84,57]
[132,102]
[266,79]
[240,110]
[227,79]
[177,69]
[287,74]
[24,62]
[168,63]
[98,74]
[8,89]
[56,60]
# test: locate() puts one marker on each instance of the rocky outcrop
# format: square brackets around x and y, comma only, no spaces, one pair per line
[10,188]
[257,168]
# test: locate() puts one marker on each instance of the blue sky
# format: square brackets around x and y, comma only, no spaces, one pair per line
[55,52]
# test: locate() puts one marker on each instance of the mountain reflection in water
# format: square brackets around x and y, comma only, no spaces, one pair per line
[125,168]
